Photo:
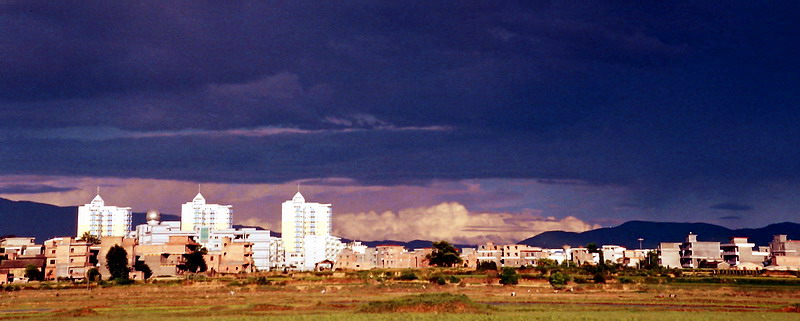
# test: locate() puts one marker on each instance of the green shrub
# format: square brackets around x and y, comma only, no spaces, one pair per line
[454,279]
[558,280]
[438,280]
[509,276]
[625,280]
[599,278]
[408,275]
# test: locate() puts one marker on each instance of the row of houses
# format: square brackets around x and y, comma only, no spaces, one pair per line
[236,251]
[738,253]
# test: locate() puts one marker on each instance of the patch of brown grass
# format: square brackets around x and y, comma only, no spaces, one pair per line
[270,307]
[74,313]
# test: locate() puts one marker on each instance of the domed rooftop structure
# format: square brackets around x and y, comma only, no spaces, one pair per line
[153,216]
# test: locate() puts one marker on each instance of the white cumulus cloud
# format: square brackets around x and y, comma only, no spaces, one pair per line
[452,222]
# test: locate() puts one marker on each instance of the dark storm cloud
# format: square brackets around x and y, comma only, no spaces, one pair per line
[652,97]
[32,189]
[730,206]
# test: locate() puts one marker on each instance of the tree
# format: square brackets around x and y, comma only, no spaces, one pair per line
[33,273]
[444,255]
[592,247]
[651,261]
[89,238]
[93,275]
[117,263]
[509,276]
[558,280]
[195,261]
[144,268]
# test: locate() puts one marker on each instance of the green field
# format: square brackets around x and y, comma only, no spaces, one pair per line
[327,298]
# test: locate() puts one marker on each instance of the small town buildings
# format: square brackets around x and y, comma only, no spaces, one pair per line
[167,259]
[12,248]
[100,220]
[12,271]
[231,257]
[694,252]
[106,243]
[265,248]
[784,253]
[355,256]
[741,254]
[68,258]
[511,255]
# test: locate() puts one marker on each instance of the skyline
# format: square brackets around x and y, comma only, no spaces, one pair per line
[517,116]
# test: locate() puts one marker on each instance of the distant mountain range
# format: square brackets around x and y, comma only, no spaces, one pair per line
[45,221]
[655,232]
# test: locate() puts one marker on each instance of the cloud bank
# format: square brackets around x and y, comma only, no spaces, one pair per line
[451,221]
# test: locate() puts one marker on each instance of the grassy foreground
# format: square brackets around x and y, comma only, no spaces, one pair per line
[354,299]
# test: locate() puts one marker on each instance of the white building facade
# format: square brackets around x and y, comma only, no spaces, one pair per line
[101,220]
[300,219]
[197,214]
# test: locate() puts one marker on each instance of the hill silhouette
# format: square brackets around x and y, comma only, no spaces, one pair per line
[653,233]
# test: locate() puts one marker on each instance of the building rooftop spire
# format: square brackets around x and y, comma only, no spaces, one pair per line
[298,198]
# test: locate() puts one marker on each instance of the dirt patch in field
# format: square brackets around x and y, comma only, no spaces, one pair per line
[795,308]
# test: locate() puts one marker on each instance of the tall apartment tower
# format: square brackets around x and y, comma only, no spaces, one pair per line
[101,220]
[199,216]
[300,219]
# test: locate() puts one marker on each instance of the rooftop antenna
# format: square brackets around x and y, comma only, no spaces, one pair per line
[98,189]
[198,188]
[298,187]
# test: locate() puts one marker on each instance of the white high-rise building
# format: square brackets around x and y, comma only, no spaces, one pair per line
[101,220]
[300,219]
[199,216]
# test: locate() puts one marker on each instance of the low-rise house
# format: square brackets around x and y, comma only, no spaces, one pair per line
[106,243]
[581,256]
[613,253]
[469,257]
[167,259]
[354,259]
[510,255]
[262,244]
[669,255]
[740,254]
[696,254]
[19,247]
[232,257]
[784,253]
[14,270]
[68,258]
